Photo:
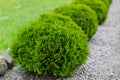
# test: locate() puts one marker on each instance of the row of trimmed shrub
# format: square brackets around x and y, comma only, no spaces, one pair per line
[57,43]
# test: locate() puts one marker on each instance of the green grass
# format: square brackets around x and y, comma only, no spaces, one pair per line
[14,14]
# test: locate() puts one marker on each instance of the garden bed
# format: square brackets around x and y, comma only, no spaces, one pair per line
[104,62]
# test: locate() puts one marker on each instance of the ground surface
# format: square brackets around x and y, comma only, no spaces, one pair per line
[104,62]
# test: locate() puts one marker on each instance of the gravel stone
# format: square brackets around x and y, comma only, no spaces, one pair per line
[3,66]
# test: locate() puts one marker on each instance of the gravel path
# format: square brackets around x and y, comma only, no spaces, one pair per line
[104,62]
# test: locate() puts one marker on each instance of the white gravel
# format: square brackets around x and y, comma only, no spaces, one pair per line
[104,62]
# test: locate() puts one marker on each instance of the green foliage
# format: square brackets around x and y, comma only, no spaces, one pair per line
[110,1]
[107,2]
[53,44]
[81,14]
[98,6]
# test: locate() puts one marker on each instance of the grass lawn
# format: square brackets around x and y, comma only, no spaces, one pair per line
[14,14]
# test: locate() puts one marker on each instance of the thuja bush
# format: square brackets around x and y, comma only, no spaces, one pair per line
[81,14]
[107,2]
[98,6]
[52,45]
[110,1]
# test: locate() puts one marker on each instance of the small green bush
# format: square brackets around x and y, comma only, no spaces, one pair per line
[52,45]
[81,14]
[107,2]
[110,1]
[98,6]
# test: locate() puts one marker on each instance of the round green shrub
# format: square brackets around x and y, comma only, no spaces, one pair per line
[98,6]
[81,14]
[110,1]
[107,2]
[52,45]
